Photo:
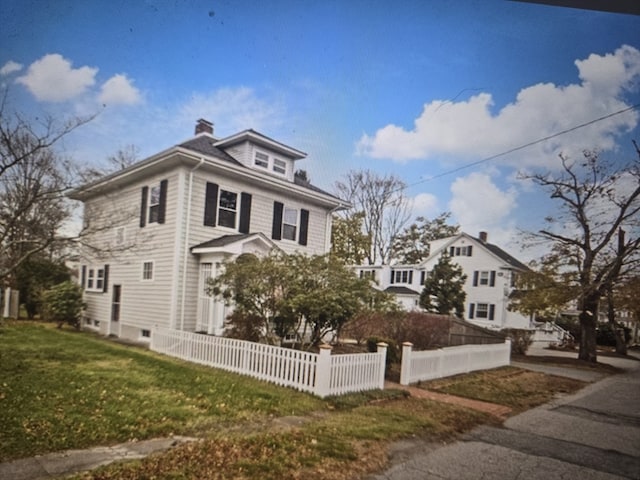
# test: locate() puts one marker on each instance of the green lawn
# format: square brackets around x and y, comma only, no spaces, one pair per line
[63,389]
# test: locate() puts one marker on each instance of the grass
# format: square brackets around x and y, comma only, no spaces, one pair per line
[510,386]
[62,389]
[67,389]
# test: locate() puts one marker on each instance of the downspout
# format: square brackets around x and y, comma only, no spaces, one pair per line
[185,256]
[327,233]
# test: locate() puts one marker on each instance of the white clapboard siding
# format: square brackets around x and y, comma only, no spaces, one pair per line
[321,374]
[444,362]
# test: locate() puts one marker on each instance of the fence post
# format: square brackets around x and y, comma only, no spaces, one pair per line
[507,342]
[405,366]
[323,372]
[382,348]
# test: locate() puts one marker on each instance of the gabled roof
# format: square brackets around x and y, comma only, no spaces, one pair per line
[493,249]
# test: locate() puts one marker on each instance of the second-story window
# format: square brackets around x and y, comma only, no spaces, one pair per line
[279,166]
[154,204]
[486,278]
[464,251]
[261,160]
[228,207]
[402,276]
[290,223]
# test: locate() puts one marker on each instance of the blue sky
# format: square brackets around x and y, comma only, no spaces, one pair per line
[413,88]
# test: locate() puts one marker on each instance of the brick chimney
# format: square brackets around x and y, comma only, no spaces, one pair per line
[483,237]
[204,126]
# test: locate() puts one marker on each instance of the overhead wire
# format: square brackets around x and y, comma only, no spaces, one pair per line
[526,145]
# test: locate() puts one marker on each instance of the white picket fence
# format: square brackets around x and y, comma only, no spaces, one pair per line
[444,362]
[321,374]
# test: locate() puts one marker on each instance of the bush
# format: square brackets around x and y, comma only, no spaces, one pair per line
[63,304]
[606,336]
[393,352]
[521,340]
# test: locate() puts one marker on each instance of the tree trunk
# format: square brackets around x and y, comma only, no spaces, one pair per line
[588,321]
[618,331]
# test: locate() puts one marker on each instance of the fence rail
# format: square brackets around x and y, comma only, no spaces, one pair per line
[321,374]
[444,362]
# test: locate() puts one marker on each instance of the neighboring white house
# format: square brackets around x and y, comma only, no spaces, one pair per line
[491,274]
[168,222]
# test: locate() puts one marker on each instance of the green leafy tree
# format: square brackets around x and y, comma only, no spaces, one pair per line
[280,294]
[34,276]
[63,303]
[443,290]
[543,291]
[412,245]
[348,242]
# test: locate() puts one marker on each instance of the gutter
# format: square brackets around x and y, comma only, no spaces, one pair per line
[185,256]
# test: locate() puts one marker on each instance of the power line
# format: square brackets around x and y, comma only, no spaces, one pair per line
[526,145]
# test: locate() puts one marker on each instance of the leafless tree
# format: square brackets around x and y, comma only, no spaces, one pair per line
[597,200]
[385,208]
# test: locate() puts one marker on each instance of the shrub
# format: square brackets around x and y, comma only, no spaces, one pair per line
[393,352]
[521,340]
[605,335]
[63,303]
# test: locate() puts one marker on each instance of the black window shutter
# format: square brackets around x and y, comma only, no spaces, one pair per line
[105,285]
[410,276]
[84,276]
[245,212]
[210,204]
[492,279]
[452,250]
[392,276]
[475,278]
[492,311]
[304,226]
[422,277]
[143,206]
[469,250]
[276,230]
[162,208]
[472,308]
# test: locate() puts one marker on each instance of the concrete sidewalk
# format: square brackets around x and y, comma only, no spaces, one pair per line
[54,465]
[593,434]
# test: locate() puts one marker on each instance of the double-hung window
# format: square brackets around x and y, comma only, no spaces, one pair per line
[290,224]
[227,209]
[484,311]
[94,278]
[484,278]
[154,203]
[261,160]
[147,271]
[279,166]
[402,276]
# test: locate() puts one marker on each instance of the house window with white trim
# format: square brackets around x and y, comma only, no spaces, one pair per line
[279,166]
[402,276]
[147,271]
[96,278]
[154,204]
[464,251]
[289,223]
[227,209]
[483,311]
[261,160]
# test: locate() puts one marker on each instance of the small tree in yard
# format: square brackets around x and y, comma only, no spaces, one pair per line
[63,304]
[443,289]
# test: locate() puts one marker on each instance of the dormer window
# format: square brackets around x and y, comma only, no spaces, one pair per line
[261,160]
[268,162]
[279,166]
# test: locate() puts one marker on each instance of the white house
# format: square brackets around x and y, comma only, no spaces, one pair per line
[164,225]
[491,274]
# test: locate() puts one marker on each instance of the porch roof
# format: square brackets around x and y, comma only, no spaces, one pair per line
[230,243]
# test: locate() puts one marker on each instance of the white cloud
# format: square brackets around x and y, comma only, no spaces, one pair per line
[53,79]
[477,204]
[234,109]
[469,130]
[10,67]
[425,205]
[119,90]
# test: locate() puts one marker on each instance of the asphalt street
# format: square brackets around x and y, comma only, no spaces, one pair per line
[593,434]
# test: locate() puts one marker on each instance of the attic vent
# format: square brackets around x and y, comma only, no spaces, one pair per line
[204,126]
